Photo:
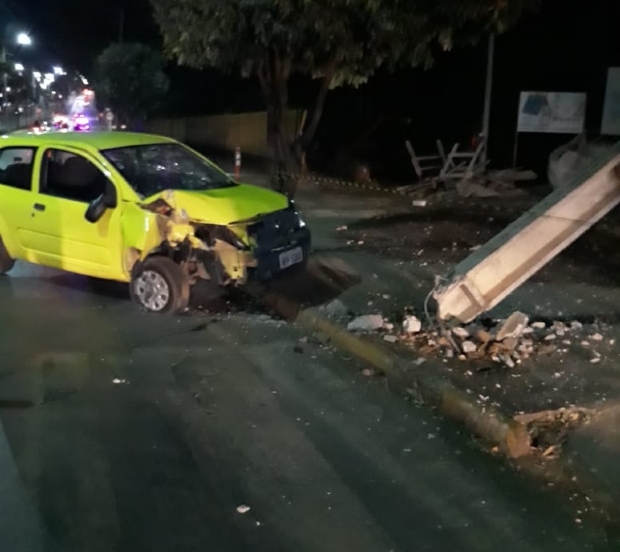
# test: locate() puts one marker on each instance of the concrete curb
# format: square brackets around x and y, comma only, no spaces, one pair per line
[490,424]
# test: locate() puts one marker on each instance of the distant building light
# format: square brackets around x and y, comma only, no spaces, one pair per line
[19,67]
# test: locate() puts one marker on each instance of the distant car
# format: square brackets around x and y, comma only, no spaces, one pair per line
[60,122]
[141,209]
[81,123]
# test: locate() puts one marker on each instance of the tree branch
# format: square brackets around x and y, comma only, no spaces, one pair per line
[307,135]
[262,77]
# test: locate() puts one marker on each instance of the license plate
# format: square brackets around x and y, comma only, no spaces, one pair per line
[290,258]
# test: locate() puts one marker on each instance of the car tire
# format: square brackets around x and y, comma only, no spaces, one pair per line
[159,285]
[6,261]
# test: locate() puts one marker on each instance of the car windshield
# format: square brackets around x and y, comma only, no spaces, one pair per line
[156,167]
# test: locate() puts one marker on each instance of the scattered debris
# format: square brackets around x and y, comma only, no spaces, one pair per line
[243,509]
[390,338]
[335,310]
[509,342]
[366,323]
[460,332]
[412,325]
[469,188]
[513,327]
[420,203]
[469,347]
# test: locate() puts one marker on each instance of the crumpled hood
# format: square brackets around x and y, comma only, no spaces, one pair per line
[225,205]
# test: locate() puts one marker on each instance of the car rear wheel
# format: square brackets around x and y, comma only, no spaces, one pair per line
[159,285]
[6,261]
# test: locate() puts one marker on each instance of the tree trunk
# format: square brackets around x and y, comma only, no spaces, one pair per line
[273,75]
[288,152]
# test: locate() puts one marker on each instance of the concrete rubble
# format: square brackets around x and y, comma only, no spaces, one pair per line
[412,325]
[507,342]
[480,184]
[366,323]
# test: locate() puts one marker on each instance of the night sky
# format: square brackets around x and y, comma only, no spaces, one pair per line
[72,32]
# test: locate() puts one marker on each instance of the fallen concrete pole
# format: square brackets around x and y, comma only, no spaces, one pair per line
[487,276]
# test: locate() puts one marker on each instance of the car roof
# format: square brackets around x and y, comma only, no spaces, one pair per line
[100,140]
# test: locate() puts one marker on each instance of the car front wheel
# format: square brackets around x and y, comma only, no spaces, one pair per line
[159,285]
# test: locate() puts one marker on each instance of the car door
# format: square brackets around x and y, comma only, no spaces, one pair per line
[66,182]
[16,195]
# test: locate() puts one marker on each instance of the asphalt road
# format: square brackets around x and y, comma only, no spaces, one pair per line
[136,432]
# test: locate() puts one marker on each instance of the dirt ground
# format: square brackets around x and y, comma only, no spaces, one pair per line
[442,236]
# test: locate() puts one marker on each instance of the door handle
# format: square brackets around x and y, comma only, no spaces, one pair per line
[39,207]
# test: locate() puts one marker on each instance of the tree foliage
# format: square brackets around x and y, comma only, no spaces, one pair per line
[341,42]
[130,79]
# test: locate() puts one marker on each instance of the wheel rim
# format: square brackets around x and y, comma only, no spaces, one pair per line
[152,290]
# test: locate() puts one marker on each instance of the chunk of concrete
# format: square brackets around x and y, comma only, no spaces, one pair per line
[336,309]
[366,323]
[412,325]
[460,332]
[513,327]
[469,347]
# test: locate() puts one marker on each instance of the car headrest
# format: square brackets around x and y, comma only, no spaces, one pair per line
[77,171]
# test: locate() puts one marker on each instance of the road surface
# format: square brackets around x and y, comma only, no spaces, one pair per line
[136,432]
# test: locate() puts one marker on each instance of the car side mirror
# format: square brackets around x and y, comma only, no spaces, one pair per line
[97,208]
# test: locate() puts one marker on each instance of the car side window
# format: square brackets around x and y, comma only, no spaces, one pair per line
[71,176]
[16,167]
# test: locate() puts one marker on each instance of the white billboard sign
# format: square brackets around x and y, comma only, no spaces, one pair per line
[552,112]
[611,110]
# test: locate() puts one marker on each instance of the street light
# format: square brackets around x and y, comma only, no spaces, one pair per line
[23,39]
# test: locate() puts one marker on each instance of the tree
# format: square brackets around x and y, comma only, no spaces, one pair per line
[130,79]
[338,42]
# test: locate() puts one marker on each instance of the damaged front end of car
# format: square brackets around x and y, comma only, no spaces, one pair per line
[227,254]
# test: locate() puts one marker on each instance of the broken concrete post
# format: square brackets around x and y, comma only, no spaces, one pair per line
[509,259]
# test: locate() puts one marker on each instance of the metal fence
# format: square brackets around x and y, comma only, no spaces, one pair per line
[15,121]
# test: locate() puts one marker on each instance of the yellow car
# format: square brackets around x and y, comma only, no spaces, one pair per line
[140,209]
